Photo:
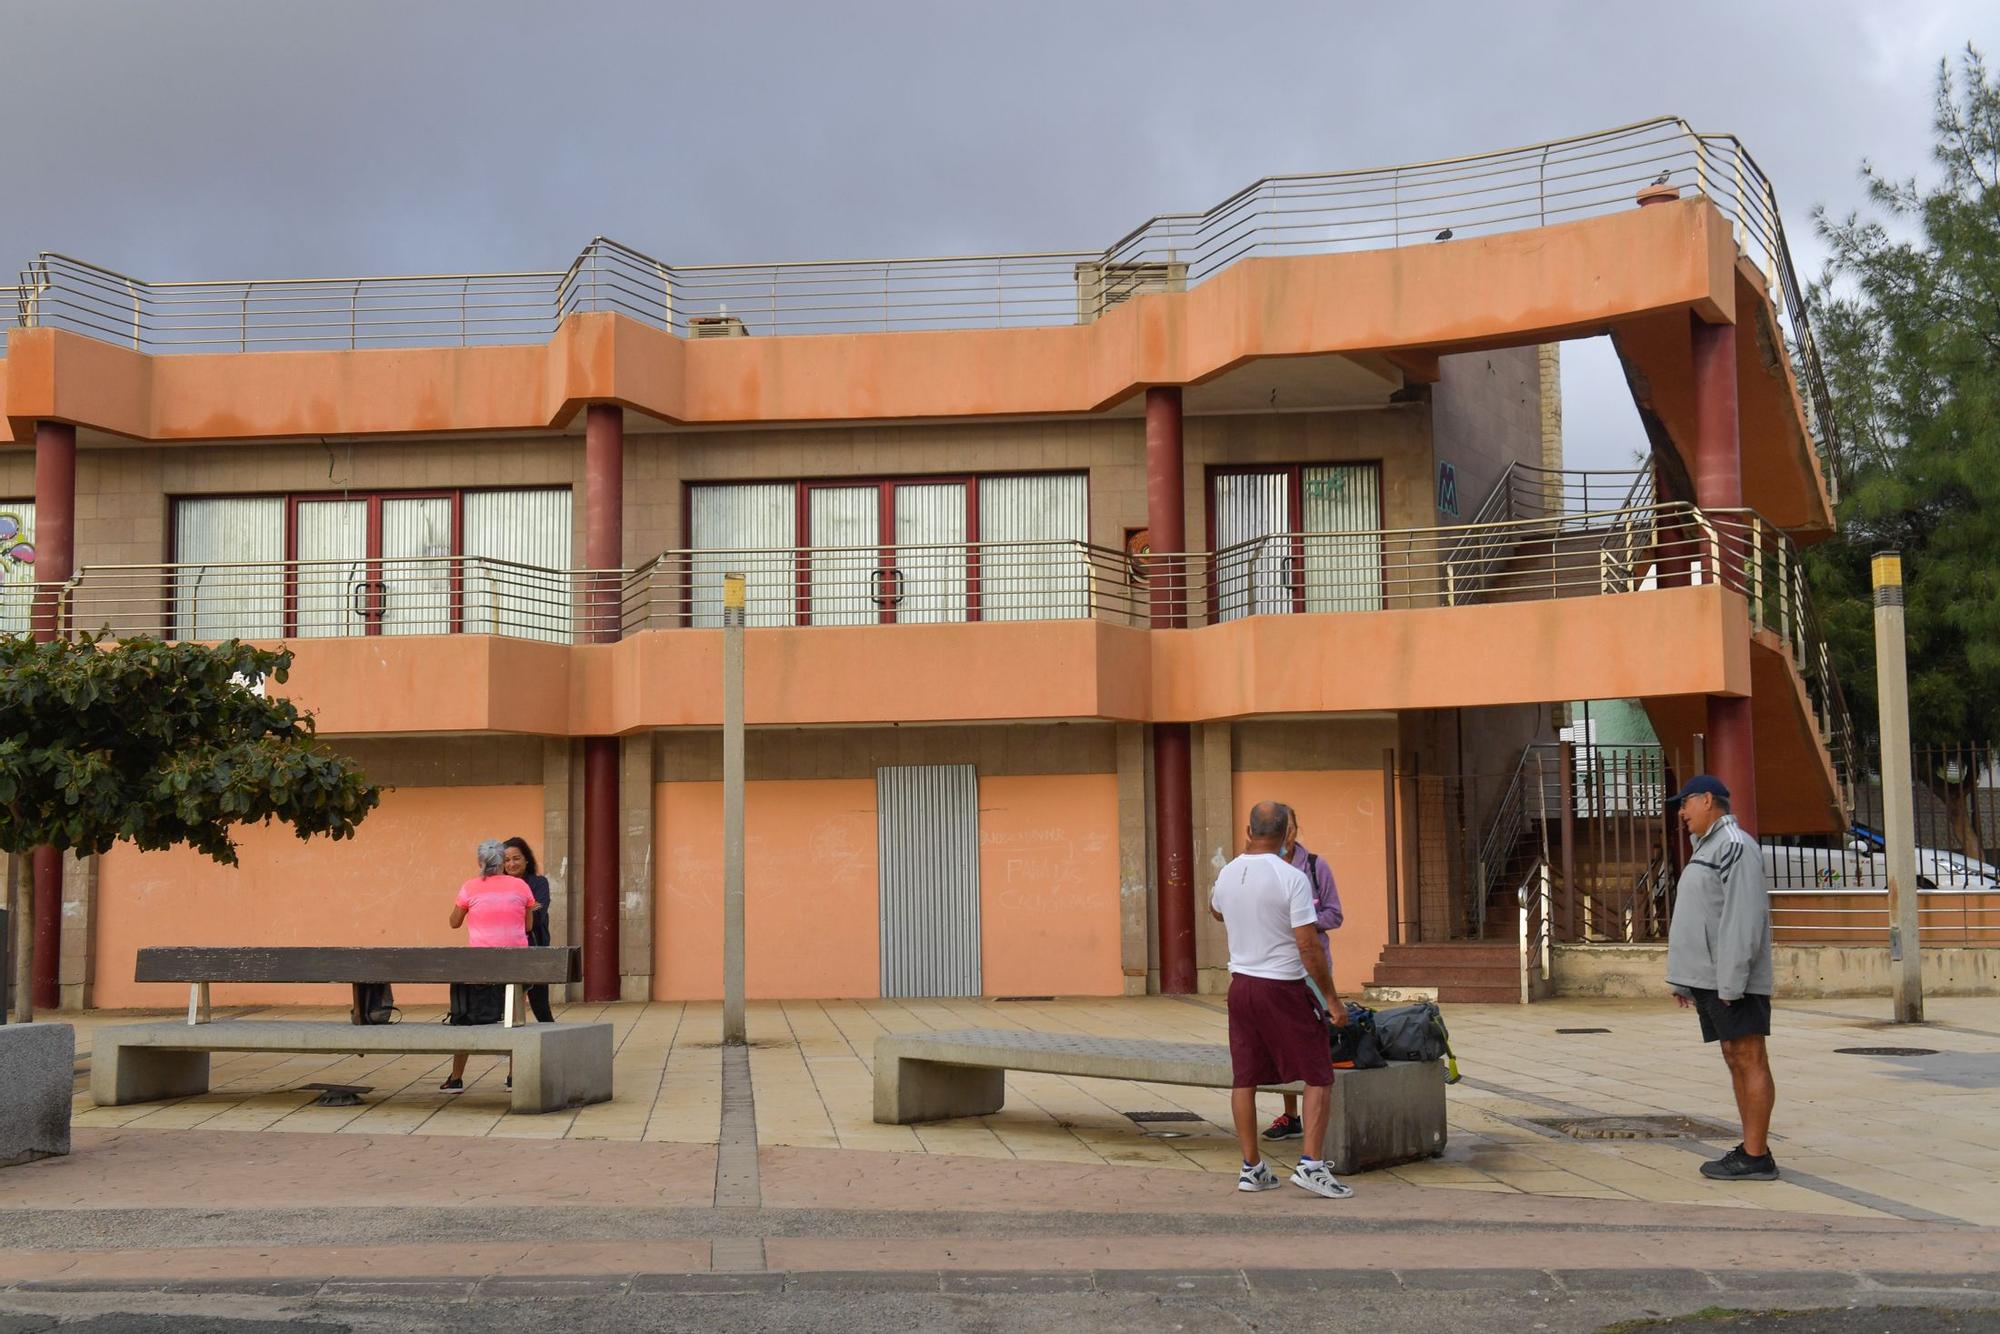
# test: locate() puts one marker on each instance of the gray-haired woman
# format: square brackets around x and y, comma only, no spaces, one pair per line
[495,910]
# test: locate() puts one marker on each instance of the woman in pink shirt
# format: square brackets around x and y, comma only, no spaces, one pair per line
[495,910]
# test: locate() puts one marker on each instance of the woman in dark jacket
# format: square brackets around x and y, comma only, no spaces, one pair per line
[518,859]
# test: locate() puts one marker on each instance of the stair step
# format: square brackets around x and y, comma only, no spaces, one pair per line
[1447,977]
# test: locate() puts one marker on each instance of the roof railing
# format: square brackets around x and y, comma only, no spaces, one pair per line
[1536,185]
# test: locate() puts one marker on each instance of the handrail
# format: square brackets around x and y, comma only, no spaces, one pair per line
[1512,189]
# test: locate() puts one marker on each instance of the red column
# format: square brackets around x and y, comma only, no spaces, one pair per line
[55,561]
[603,549]
[1173,824]
[1717,469]
[600,868]
[604,513]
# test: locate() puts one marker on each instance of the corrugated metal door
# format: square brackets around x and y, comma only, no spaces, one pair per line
[16,577]
[416,586]
[331,596]
[1252,510]
[1343,572]
[757,525]
[928,867]
[237,589]
[846,532]
[1045,581]
[529,529]
[929,581]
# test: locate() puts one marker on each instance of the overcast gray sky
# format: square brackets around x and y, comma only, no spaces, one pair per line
[280,138]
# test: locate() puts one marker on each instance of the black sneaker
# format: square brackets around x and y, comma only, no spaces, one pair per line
[1286,1127]
[452,1086]
[1737,1165]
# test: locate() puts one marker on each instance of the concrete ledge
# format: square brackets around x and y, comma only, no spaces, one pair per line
[1378,1118]
[37,1077]
[1803,972]
[556,1066]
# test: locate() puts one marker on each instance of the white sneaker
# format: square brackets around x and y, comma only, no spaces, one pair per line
[1319,1179]
[1259,1177]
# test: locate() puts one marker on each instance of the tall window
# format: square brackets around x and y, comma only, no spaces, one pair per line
[482,562]
[903,551]
[17,569]
[1296,537]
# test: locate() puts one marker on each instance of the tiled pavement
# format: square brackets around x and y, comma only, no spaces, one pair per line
[1859,1136]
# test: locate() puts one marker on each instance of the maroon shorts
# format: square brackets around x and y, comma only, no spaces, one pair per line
[1277,1033]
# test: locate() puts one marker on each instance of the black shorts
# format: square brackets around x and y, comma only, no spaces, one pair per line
[1748,1016]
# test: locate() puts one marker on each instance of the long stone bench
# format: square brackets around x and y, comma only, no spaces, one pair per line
[1379,1117]
[556,1066]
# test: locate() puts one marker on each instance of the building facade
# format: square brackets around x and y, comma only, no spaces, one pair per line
[1055,564]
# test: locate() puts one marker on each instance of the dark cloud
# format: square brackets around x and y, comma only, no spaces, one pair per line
[265,138]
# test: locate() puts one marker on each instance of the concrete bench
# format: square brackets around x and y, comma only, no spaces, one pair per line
[1379,1117]
[200,966]
[556,1066]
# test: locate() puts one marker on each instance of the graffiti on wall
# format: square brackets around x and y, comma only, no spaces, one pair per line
[17,547]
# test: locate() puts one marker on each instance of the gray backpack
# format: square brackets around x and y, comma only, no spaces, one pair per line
[1417,1033]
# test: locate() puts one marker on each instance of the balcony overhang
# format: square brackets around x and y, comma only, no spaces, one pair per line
[1405,305]
[1667,642]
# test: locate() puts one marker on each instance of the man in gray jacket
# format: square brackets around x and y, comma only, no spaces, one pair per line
[1719,962]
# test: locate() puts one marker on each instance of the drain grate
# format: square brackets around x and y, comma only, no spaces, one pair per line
[1885,1051]
[1583,1030]
[1001,1000]
[1146,1117]
[1634,1127]
[1165,1134]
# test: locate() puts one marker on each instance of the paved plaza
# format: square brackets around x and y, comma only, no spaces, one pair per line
[1857,1136]
[784,1202]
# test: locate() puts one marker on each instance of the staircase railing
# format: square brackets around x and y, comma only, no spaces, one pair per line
[1536,896]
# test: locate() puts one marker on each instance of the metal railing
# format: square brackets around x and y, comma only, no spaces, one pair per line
[322,599]
[1320,213]
[1586,554]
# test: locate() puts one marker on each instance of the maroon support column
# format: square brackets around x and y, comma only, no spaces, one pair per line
[1173,824]
[1717,468]
[55,561]
[600,868]
[604,514]
[603,550]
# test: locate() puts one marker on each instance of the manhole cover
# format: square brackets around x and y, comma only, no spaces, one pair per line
[339,1095]
[1634,1127]
[1583,1030]
[1885,1051]
[1166,1134]
[1143,1117]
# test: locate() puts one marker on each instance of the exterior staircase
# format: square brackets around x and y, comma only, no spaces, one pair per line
[1466,972]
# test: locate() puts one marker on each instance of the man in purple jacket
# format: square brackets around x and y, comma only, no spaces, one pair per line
[1326,901]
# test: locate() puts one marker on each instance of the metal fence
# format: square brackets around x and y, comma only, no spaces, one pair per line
[1319,213]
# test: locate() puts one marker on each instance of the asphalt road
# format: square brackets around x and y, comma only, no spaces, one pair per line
[1471,1310]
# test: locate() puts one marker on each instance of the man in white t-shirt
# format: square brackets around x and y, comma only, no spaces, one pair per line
[1277,1028]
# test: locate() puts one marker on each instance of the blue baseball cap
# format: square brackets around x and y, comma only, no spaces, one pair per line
[1700,785]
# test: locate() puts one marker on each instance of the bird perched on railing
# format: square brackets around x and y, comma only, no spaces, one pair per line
[1662,178]
[1444,235]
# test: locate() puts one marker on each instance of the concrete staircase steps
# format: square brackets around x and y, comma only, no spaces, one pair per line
[1467,972]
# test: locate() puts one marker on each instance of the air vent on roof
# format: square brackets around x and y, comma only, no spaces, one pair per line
[1099,287]
[717,326]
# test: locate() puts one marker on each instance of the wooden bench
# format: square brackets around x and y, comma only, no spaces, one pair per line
[556,1066]
[1379,1117]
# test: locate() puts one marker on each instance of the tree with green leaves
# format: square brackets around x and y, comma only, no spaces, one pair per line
[160,745]
[1908,317]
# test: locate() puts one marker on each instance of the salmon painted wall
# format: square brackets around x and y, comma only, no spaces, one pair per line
[391,884]
[810,894]
[1340,820]
[1048,885]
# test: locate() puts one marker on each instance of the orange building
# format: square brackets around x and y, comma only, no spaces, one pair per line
[1056,562]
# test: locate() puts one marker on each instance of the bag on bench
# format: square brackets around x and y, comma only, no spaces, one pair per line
[1417,1033]
[374,1003]
[1356,1045]
[476,1003]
